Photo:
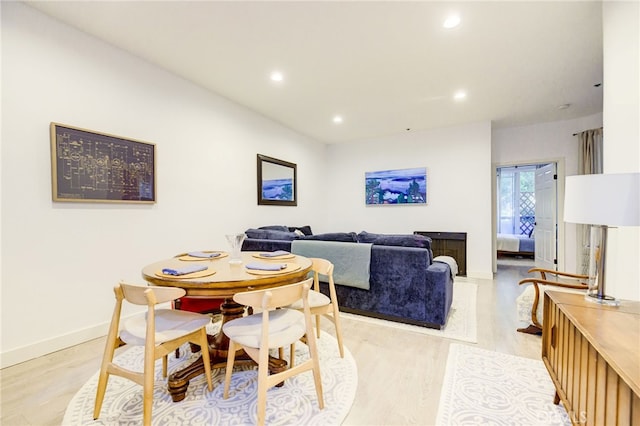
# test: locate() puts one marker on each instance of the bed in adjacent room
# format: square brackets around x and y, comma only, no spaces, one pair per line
[516,245]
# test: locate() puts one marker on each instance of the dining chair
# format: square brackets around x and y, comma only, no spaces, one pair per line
[275,327]
[200,305]
[530,302]
[320,304]
[160,331]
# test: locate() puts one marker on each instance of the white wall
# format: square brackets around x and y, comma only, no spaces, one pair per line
[60,261]
[458,162]
[547,142]
[621,112]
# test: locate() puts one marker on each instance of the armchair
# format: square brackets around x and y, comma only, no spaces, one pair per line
[529,302]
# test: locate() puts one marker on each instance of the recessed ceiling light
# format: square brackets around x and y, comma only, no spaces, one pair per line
[277,76]
[452,21]
[338,119]
[460,95]
[564,106]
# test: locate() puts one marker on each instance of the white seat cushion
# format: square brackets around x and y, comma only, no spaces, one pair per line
[170,324]
[285,327]
[315,299]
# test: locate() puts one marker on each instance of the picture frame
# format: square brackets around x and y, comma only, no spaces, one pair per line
[277,182]
[90,166]
[396,187]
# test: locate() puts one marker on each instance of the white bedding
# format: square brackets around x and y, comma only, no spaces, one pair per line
[508,242]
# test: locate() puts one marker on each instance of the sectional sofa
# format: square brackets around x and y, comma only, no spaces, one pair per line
[405,284]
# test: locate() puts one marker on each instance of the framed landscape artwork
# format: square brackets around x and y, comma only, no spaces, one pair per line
[276,182]
[88,166]
[403,186]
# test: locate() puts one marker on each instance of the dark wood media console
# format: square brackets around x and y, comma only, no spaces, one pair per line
[452,244]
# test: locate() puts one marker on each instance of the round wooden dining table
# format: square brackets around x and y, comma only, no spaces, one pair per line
[222,279]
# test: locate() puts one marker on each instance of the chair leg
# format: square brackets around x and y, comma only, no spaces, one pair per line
[531,329]
[164,366]
[313,351]
[177,304]
[336,322]
[263,386]
[147,387]
[107,359]
[292,355]
[318,325]
[231,355]
[102,387]
[205,357]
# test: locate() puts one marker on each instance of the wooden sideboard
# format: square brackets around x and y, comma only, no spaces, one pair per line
[592,353]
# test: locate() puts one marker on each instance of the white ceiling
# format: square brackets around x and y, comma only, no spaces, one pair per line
[384,66]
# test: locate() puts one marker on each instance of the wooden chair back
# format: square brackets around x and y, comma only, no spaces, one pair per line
[150,295]
[321,267]
[272,298]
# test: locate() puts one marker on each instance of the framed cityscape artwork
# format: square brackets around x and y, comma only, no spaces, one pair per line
[403,186]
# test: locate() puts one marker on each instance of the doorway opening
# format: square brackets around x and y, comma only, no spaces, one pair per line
[526,219]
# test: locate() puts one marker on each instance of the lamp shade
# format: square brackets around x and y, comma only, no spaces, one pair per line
[611,199]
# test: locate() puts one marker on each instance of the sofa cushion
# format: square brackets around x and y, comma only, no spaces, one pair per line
[306,230]
[401,240]
[348,237]
[276,228]
[268,234]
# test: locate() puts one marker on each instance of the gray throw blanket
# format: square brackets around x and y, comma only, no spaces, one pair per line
[351,261]
[453,265]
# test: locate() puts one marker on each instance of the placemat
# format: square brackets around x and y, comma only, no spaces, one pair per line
[290,268]
[199,274]
[188,258]
[282,256]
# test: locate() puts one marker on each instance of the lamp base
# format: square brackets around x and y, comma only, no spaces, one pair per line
[602,299]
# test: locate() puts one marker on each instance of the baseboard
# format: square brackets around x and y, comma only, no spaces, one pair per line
[54,344]
[480,275]
[63,341]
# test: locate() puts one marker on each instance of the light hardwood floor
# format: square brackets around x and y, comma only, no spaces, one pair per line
[400,373]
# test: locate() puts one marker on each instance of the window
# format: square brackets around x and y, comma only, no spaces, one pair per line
[516,200]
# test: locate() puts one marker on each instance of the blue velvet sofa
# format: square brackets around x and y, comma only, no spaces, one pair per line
[405,284]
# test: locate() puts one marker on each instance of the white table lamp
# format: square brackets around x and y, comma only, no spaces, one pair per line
[602,200]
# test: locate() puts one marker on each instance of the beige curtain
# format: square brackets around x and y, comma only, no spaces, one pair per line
[590,152]
[590,162]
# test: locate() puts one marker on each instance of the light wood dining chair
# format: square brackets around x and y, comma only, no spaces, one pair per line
[160,331]
[320,304]
[272,328]
[197,304]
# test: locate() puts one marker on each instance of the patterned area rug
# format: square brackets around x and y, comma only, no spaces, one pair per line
[461,324]
[295,403]
[489,388]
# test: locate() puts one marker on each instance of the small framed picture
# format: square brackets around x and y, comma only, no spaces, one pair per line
[276,182]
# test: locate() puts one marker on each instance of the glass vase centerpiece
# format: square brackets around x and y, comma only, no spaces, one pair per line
[235,242]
